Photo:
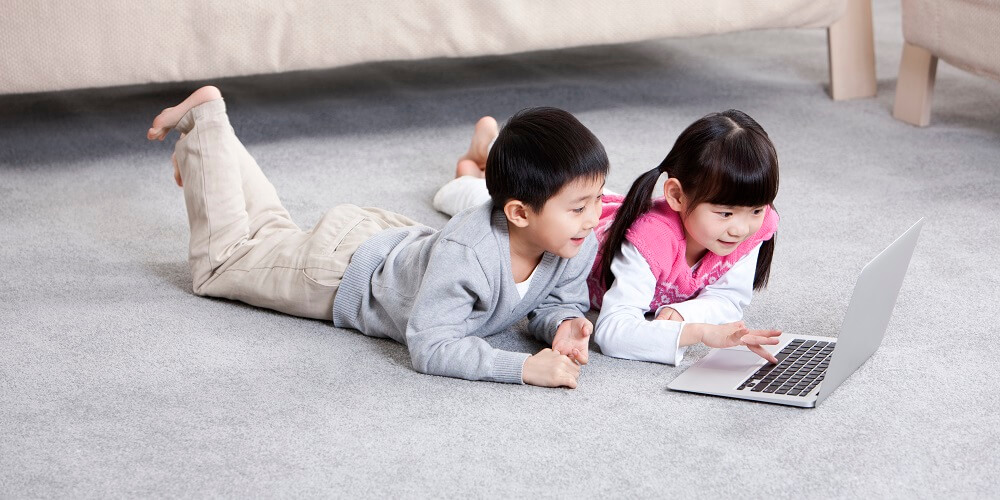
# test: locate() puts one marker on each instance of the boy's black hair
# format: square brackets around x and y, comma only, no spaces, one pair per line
[537,153]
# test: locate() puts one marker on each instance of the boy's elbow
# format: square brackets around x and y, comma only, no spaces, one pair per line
[420,359]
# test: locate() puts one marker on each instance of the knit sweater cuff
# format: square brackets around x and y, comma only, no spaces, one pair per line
[507,366]
[356,283]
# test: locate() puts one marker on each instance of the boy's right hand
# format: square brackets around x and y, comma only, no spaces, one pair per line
[549,368]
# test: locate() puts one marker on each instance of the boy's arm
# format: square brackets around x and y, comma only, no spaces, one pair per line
[569,299]
[436,335]
[722,301]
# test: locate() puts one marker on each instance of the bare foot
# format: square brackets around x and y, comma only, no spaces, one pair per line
[473,162]
[168,118]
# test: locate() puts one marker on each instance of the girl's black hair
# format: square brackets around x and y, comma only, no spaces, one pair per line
[537,153]
[724,158]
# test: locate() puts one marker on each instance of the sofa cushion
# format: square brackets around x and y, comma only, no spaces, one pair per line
[53,45]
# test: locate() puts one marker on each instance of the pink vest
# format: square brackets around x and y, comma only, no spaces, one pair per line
[659,236]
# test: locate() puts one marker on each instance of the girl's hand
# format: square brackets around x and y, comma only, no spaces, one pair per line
[669,314]
[735,334]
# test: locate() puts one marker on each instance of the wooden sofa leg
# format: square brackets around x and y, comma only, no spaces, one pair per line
[851,46]
[915,86]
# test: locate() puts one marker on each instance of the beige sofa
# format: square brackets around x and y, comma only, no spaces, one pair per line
[965,33]
[54,45]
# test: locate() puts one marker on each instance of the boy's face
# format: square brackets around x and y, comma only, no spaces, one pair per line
[567,218]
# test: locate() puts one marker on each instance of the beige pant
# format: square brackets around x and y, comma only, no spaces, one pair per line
[244,245]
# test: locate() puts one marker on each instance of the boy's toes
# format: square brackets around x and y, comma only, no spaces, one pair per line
[157,133]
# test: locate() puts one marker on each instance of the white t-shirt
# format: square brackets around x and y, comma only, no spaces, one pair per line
[522,287]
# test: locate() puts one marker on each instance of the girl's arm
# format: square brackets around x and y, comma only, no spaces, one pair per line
[622,330]
[722,301]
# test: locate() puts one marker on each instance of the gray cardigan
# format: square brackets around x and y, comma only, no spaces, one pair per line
[440,292]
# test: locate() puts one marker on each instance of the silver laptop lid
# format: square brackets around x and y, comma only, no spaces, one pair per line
[870,309]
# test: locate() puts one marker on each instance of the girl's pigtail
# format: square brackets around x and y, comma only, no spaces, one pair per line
[764,256]
[636,202]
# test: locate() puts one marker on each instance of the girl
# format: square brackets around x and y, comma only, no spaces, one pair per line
[693,257]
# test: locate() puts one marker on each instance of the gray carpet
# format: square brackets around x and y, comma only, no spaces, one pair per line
[115,380]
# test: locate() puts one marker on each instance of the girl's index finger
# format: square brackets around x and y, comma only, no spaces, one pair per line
[760,351]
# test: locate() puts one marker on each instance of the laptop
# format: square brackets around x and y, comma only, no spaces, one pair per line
[811,367]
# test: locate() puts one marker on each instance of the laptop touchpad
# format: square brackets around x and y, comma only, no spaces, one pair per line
[731,360]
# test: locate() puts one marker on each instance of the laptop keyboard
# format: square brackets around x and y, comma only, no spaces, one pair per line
[801,367]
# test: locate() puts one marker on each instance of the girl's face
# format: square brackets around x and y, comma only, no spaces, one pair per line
[709,227]
[720,228]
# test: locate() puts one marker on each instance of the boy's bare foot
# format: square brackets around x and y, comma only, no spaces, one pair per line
[473,162]
[168,118]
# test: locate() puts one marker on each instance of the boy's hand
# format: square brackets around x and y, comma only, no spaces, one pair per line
[734,334]
[669,314]
[573,338]
[548,368]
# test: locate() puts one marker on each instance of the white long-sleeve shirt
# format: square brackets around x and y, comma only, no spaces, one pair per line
[622,330]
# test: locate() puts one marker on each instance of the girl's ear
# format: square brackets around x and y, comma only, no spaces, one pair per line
[674,194]
[516,212]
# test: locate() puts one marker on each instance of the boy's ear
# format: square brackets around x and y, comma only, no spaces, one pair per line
[516,212]
[674,194]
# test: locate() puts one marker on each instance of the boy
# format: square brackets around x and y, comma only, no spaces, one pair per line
[525,253]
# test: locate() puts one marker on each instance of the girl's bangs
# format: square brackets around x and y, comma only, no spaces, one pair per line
[744,174]
[744,188]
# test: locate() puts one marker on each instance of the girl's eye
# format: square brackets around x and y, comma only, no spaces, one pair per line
[758,211]
[725,215]
[579,210]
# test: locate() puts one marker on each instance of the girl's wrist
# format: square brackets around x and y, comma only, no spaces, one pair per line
[692,333]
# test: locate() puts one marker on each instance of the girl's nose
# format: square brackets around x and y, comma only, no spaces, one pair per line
[739,230]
